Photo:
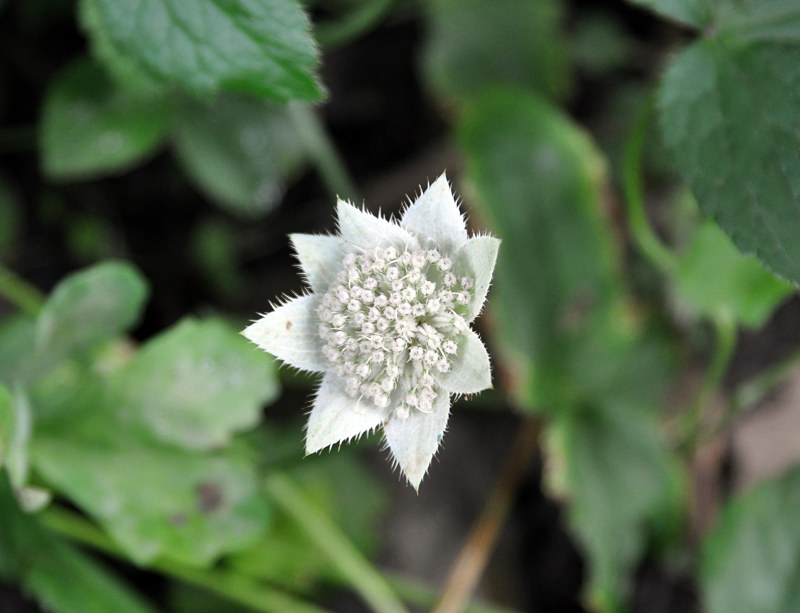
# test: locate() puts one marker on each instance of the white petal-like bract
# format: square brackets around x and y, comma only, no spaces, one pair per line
[434,217]
[335,417]
[414,440]
[388,324]
[290,333]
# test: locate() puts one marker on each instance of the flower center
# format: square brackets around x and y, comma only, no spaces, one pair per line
[391,324]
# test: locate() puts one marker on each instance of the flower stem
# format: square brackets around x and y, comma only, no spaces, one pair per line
[471,562]
[318,144]
[233,586]
[330,539]
[19,292]
[646,239]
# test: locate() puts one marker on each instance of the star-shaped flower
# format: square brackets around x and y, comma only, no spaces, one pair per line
[388,325]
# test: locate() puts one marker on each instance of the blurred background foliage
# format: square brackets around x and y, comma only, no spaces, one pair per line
[153,157]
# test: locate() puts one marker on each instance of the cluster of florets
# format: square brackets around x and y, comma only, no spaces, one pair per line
[391,322]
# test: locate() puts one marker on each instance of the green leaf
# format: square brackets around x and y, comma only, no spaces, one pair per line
[90,128]
[473,44]
[616,475]
[262,47]
[194,385]
[122,68]
[729,114]
[750,562]
[90,306]
[19,361]
[16,423]
[61,578]
[539,181]
[240,151]
[154,500]
[714,277]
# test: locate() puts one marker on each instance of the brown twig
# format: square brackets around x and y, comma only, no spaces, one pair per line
[471,562]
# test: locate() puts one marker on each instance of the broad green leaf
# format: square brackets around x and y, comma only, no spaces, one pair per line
[90,306]
[539,182]
[616,476]
[6,423]
[61,578]
[154,500]
[19,361]
[194,385]
[240,151]
[750,562]
[714,277]
[473,44]
[729,114]
[90,128]
[123,69]
[263,47]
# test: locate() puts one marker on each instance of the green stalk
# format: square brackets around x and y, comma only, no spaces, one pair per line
[725,342]
[233,586]
[19,292]
[359,21]
[331,541]
[318,144]
[646,239]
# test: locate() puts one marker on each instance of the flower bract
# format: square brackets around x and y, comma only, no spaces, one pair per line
[387,323]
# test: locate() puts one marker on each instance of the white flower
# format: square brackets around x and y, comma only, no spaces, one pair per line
[387,324]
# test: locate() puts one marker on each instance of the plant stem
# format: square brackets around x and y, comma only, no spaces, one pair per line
[356,23]
[646,239]
[726,333]
[331,541]
[319,146]
[471,562]
[424,596]
[233,586]
[19,292]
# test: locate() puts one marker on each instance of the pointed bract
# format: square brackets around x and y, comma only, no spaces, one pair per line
[435,218]
[477,257]
[290,333]
[414,440]
[471,372]
[336,417]
[364,230]
[320,257]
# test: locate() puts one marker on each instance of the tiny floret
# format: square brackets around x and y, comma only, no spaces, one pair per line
[387,323]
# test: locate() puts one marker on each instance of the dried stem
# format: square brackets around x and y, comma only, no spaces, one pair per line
[471,562]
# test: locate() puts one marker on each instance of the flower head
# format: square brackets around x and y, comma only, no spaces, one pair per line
[388,325]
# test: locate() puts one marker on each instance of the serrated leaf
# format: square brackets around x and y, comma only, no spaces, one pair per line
[90,128]
[18,358]
[539,182]
[263,47]
[729,114]
[240,151]
[473,44]
[713,277]
[154,500]
[16,423]
[90,306]
[750,562]
[61,578]
[194,385]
